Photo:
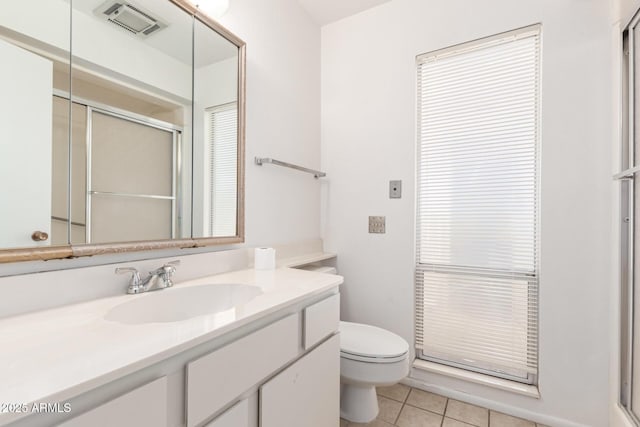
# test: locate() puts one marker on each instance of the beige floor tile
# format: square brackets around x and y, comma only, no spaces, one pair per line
[425,400]
[415,417]
[374,423]
[450,422]
[541,425]
[498,419]
[397,392]
[389,409]
[343,423]
[467,413]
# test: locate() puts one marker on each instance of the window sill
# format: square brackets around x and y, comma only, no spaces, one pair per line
[499,383]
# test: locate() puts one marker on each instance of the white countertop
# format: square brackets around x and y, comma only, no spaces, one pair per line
[52,355]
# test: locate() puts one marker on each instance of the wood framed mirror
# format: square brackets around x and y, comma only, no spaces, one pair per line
[125,129]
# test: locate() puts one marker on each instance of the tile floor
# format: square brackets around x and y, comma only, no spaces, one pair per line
[404,406]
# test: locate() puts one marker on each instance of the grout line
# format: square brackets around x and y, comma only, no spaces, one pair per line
[489,419]
[395,421]
[444,413]
[425,410]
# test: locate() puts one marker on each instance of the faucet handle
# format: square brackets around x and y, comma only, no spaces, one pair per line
[170,267]
[168,271]
[135,278]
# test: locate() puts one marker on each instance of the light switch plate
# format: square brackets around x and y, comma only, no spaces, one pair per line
[395,189]
[377,224]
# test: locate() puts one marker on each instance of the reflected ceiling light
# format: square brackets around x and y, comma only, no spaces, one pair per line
[213,8]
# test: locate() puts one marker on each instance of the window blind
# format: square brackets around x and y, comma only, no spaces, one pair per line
[222,129]
[476,268]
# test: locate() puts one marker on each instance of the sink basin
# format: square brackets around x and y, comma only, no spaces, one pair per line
[175,304]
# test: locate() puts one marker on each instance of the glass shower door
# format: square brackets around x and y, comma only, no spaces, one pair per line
[131,179]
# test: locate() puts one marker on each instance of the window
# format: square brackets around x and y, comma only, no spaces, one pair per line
[477,205]
[221,126]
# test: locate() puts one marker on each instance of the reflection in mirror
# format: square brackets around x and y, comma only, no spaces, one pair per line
[215,138]
[35,58]
[132,79]
[111,145]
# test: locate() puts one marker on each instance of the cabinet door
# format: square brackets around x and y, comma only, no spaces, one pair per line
[307,393]
[221,376]
[144,406]
[242,414]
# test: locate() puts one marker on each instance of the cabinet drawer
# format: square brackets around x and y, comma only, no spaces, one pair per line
[144,406]
[219,377]
[321,320]
[307,393]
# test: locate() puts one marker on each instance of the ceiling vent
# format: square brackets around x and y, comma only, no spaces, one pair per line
[129,18]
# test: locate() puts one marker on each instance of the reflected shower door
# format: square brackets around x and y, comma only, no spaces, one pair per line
[131,181]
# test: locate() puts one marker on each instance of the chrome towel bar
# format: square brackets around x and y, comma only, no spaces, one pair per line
[261,160]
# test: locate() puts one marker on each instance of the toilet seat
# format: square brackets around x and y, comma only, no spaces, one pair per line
[366,343]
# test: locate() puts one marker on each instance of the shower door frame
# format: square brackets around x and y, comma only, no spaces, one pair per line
[176,167]
[627,217]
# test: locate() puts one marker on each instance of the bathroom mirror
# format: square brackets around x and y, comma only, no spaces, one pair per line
[125,128]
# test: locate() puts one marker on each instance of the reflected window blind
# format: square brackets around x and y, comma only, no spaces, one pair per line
[476,268]
[222,129]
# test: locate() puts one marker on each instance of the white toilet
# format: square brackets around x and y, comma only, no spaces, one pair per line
[369,357]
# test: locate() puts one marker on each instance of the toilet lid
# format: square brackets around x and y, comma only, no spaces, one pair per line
[358,342]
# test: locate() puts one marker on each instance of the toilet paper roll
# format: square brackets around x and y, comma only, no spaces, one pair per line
[265,259]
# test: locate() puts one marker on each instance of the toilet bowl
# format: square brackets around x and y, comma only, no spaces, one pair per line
[369,357]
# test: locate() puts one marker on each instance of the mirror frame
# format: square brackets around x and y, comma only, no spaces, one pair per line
[74,251]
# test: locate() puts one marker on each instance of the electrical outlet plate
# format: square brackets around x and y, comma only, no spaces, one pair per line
[395,189]
[377,224]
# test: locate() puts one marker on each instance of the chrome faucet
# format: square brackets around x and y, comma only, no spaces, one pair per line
[157,279]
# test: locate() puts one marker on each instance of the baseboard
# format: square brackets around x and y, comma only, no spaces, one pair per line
[618,418]
[494,405]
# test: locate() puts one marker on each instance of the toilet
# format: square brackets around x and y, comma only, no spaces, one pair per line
[369,357]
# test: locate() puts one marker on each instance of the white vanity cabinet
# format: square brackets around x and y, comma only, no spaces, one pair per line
[306,393]
[144,406]
[293,362]
[278,370]
[242,414]
[218,378]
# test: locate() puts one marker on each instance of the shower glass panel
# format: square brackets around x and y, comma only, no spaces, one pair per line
[132,181]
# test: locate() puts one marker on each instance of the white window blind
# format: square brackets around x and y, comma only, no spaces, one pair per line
[476,269]
[222,130]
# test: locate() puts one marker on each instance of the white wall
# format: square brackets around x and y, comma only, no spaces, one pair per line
[368,138]
[283,118]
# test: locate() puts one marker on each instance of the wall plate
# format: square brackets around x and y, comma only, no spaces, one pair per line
[377,224]
[395,189]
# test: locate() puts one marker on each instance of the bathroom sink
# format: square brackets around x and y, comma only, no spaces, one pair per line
[175,304]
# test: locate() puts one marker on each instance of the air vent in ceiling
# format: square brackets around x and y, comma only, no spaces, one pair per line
[129,18]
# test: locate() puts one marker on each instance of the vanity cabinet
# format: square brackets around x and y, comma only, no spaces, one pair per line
[242,414]
[279,370]
[144,406]
[306,393]
[218,378]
